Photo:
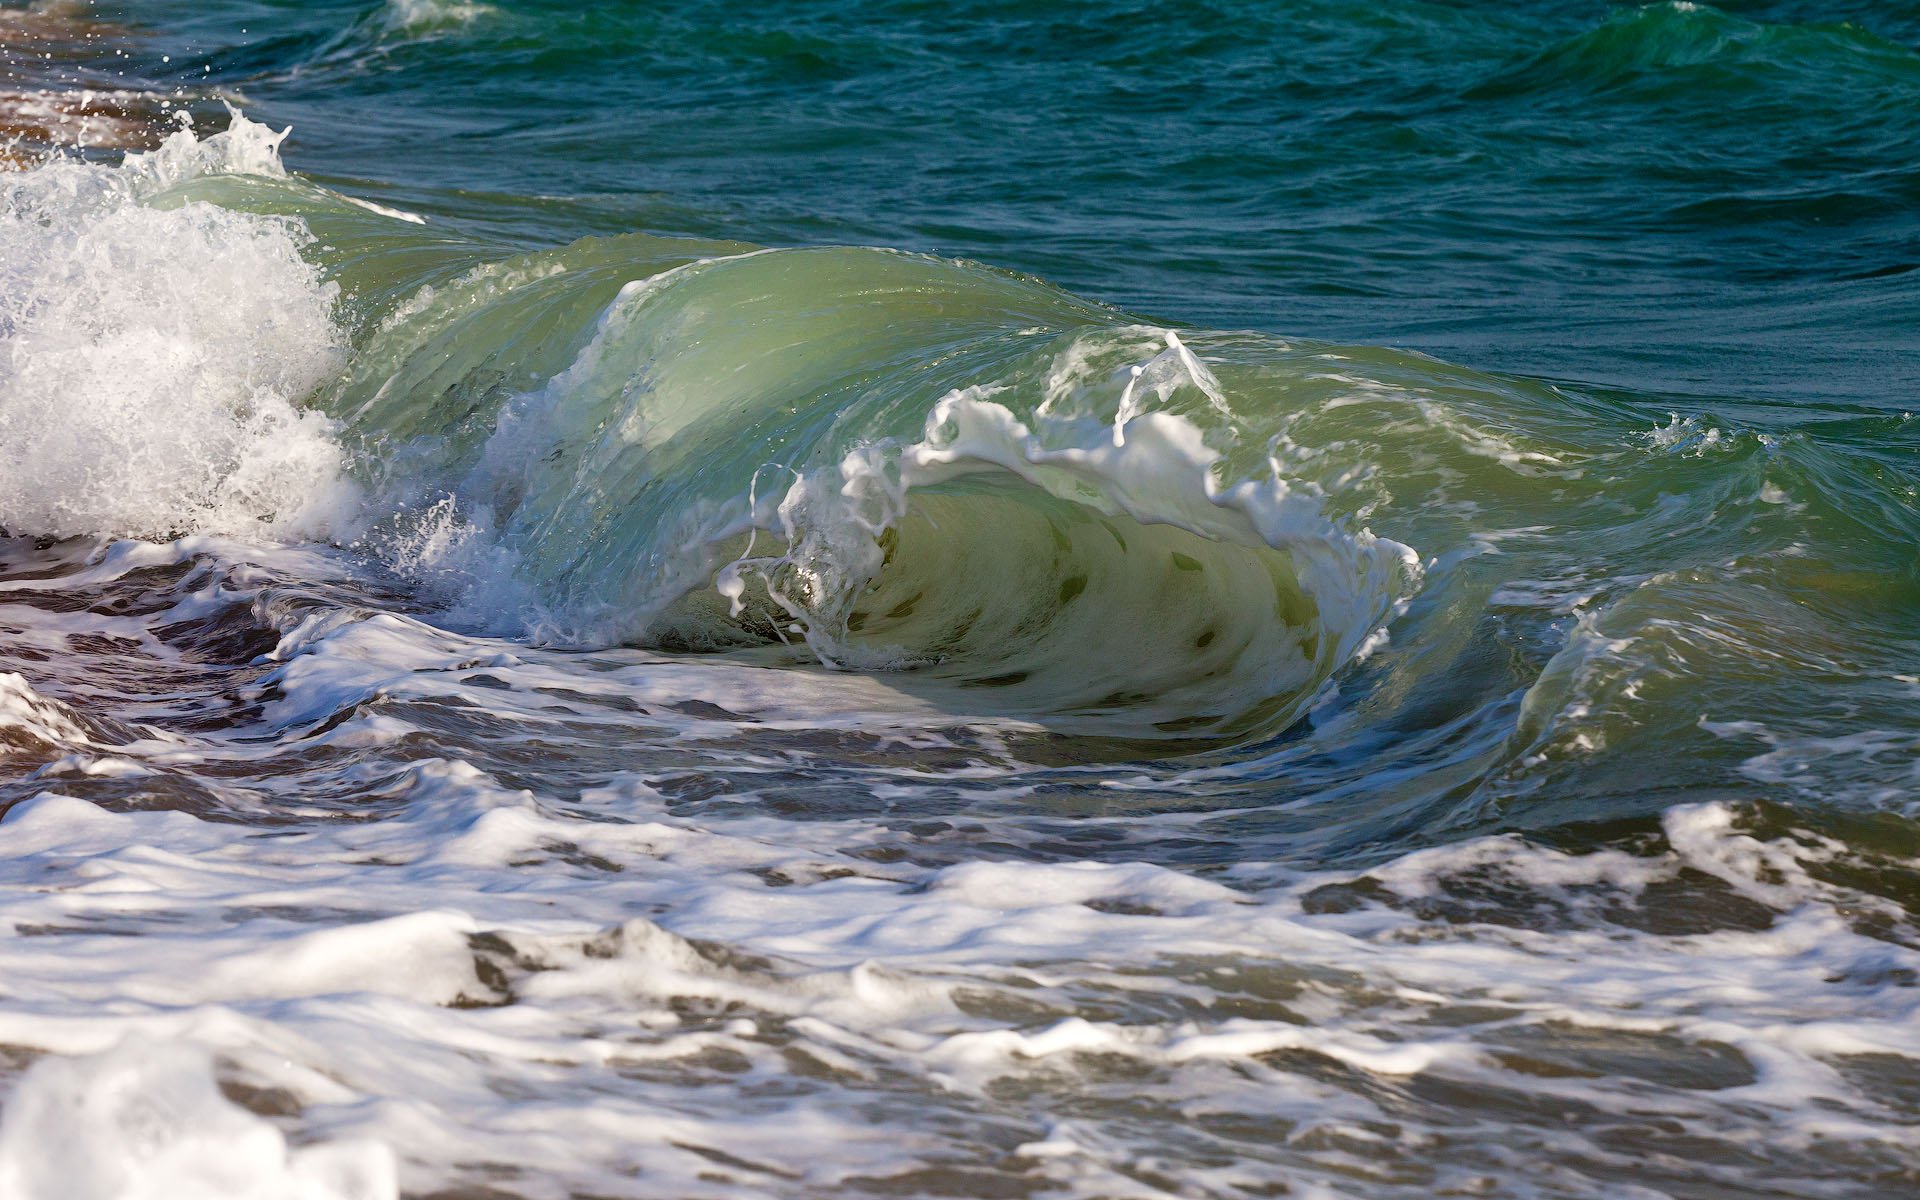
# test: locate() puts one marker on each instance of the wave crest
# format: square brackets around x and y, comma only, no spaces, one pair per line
[157,352]
[891,462]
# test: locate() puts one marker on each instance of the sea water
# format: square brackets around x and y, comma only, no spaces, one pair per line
[1204,600]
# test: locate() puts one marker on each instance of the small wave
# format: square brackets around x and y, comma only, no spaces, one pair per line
[426,16]
[1682,45]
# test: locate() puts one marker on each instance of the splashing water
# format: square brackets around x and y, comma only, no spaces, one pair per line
[497,703]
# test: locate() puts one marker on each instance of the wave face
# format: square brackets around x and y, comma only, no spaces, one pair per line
[547,651]
[896,462]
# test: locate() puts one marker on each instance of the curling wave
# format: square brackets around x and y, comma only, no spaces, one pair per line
[895,461]
[1014,501]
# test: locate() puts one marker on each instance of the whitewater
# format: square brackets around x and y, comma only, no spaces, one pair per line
[542,706]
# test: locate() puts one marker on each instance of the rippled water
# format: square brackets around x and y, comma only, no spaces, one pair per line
[1216,600]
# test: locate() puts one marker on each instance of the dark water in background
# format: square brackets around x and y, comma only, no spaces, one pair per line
[1344,621]
[1660,198]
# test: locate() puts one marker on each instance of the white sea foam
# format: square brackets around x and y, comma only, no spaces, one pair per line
[156,353]
[145,1121]
[933,987]
[28,719]
[1686,436]
[680,965]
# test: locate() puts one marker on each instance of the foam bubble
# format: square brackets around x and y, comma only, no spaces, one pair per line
[146,1121]
[156,356]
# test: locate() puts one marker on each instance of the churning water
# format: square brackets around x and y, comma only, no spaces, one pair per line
[850,599]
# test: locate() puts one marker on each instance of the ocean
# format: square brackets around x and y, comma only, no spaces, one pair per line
[875,598]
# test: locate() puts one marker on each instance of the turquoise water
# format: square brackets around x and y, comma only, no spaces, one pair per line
[1202,600]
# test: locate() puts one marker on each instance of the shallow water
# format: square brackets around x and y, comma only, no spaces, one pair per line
[889,599]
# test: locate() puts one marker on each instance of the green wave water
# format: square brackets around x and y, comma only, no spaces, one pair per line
[1209,600]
